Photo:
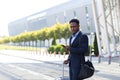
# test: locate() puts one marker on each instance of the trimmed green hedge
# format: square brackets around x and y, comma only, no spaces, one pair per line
[57,48]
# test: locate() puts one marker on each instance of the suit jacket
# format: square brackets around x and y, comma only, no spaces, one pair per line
[77,50]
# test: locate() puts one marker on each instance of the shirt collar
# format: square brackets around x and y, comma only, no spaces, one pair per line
[74,35]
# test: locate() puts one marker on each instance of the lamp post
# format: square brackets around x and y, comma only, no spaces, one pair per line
[89,31]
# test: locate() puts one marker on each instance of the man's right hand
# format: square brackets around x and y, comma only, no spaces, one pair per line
[66,61]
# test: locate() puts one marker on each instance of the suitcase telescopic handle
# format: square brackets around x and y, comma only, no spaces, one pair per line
[63,71]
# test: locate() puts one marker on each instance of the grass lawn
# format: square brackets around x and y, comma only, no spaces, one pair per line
[17,48]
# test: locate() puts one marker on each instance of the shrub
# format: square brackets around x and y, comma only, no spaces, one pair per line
[51,48]
[57,48]
[62,50]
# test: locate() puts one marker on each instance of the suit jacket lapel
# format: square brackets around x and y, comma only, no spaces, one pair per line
[76,38]
[70,41]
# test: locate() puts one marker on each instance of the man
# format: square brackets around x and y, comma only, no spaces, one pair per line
[78,46]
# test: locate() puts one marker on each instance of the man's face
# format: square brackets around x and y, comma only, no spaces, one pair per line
[74,27]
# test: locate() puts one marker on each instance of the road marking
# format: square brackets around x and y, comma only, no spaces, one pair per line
[32,72]
[8,73]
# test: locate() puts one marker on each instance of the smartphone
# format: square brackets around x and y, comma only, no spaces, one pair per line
[63,46]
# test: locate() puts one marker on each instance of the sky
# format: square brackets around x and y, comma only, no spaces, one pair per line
[11,10]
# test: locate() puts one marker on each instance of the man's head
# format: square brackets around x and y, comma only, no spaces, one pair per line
[74,25]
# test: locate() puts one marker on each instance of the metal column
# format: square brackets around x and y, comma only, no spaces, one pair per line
[109,19]
[97,29]
[106,30]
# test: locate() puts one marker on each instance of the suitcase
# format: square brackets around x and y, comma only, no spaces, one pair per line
[63,77]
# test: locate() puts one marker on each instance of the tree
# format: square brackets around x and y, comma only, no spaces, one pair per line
[66,32]
[49,35]
[58,31]
[96,52]
[4,40]
[39,36]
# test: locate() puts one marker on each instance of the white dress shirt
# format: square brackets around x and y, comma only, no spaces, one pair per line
[74,36]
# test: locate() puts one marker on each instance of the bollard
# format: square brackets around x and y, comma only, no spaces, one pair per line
[54,53]
[63,71]
[59,54]
[50,53]
[40,51]
[99,58]
[64,54]
[119,59]
[46,51]
[109,61]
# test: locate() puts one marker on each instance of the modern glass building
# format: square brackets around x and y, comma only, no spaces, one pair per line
[81,9]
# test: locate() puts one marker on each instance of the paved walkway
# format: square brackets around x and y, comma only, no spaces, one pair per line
[103,70]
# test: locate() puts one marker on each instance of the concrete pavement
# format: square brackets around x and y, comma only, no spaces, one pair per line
[103,70]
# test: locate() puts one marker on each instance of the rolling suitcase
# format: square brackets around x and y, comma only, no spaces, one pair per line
[63,77]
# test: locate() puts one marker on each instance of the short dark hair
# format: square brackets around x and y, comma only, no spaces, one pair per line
[74,20]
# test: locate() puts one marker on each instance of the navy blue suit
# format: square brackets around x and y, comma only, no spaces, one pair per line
[76,56]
